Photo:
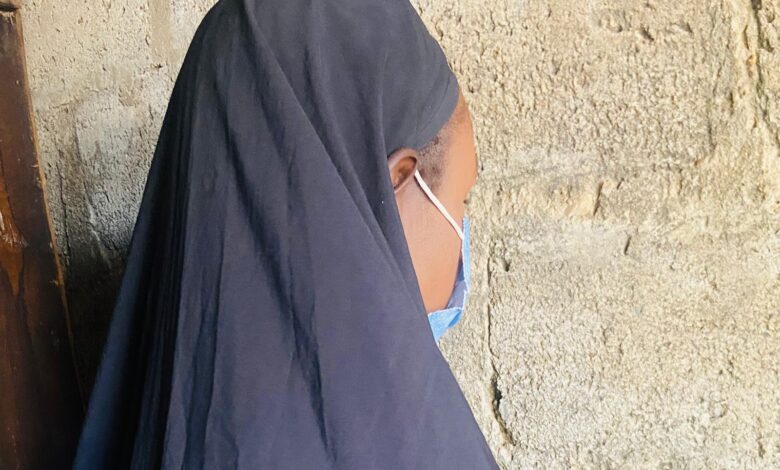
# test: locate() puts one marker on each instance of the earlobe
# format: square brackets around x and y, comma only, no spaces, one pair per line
[402,164]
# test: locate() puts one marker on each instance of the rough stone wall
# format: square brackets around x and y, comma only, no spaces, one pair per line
[626,307]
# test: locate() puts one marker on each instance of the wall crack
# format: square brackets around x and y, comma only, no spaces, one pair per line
[495,392]
[762,42]
[65,254]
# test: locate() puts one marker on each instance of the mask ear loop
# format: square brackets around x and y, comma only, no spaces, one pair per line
[438,203]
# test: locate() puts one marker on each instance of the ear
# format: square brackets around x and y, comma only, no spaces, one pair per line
[402,164]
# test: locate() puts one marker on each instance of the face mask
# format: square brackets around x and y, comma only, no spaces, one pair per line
[442,320]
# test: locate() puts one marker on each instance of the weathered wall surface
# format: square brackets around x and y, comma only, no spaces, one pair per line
[626,311]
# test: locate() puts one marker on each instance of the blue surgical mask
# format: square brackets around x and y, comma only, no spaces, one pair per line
[446,318]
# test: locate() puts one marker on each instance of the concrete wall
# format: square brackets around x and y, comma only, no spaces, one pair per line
[627,220]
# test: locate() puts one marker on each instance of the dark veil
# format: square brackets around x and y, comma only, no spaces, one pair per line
[269,316]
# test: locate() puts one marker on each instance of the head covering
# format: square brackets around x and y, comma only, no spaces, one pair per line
[269,316]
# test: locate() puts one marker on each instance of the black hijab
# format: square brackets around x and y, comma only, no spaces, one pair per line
[269,316]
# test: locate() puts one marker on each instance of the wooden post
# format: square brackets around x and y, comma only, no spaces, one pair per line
[41,409]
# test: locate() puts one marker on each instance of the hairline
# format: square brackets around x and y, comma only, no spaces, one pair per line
[432,155]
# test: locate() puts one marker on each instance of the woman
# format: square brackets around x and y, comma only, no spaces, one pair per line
[272,310]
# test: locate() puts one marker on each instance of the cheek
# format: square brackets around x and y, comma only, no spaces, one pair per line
[435,250]
[443,246]
[434,244]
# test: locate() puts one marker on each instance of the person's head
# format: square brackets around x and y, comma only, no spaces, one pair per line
[448,164]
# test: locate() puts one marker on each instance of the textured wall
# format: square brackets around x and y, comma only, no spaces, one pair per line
[627,220]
